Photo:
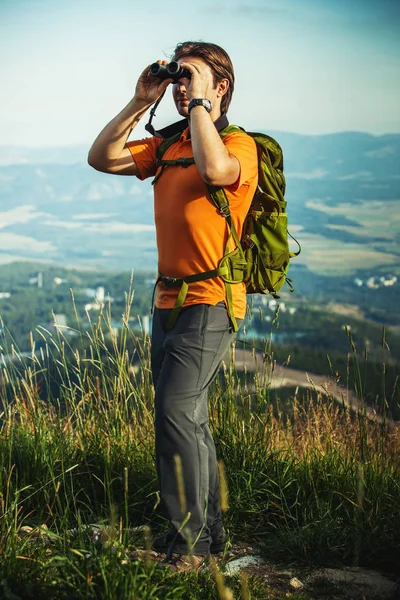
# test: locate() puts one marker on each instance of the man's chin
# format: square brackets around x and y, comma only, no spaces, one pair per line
[182,109]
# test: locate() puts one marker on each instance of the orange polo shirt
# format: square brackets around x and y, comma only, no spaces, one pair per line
[191,234]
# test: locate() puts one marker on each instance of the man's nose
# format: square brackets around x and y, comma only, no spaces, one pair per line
[183,83]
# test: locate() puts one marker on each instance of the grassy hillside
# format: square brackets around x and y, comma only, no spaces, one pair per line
[318,488]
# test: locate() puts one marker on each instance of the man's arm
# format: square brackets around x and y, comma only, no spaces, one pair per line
[109,152]
[215,164]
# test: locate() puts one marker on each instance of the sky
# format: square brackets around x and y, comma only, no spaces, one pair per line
[305,66]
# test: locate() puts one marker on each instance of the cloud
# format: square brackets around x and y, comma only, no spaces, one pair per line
[381,152]
[12,241]
[99,191]
[93,217]
[314,174]
[64,224]
[120,227]
[112,227]
[21,214]
[357,175]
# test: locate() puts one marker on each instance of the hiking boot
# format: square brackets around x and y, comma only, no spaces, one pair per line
[219,543]
[183,563]
[163,542]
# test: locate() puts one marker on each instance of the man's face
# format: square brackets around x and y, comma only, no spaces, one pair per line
[182,90]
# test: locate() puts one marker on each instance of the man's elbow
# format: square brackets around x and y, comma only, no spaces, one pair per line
[219,177]
[221,173]
[91,159]
[211,179]
[95,162]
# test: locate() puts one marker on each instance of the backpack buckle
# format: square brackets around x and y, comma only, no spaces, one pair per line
[247,241]
[225,211]
[171,282]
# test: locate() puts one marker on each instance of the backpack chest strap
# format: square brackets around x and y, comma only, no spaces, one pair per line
[179,162]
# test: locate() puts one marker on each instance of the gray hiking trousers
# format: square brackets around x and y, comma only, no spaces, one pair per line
[185,360]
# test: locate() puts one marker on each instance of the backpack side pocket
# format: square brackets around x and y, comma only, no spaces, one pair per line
[266,249]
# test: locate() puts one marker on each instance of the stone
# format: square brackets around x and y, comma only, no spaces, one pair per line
[235,566]
[296,584]
[354,582]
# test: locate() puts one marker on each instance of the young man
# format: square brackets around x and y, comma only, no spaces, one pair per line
[191,239]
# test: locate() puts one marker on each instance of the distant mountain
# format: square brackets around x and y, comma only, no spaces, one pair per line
[341,191]
[349,154]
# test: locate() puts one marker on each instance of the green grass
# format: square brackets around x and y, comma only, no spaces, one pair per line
[316,486]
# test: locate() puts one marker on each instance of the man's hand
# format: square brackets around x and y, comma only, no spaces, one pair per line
[109,152]
[150,88]
[201,81]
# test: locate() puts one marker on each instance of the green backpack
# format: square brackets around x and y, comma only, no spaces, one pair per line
[261,257]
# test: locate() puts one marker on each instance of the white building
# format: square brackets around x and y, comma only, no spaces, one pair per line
[100,294]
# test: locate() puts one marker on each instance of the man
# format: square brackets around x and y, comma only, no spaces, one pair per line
[191,239]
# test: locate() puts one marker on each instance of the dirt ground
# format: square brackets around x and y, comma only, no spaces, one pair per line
[347,583]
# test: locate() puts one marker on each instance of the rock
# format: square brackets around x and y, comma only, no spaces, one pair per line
[37,535]
[25,530]
[235,566]
[354,583]
[296,584]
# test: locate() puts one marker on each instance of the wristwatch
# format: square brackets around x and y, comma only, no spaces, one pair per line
[200,102]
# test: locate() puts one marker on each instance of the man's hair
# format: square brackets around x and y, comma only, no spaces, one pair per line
[217,59]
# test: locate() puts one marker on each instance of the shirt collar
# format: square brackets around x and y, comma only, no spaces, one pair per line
[183,128]
[220,124]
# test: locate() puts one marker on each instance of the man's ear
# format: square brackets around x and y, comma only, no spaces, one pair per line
[222,87]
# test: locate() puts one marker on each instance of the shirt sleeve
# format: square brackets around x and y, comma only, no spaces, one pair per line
[144,154]
[243,147]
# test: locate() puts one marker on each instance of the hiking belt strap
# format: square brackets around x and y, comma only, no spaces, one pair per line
[183,283]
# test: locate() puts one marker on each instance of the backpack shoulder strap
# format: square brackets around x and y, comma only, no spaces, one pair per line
[218,194]
[231,129]
[161,150]
[165,144]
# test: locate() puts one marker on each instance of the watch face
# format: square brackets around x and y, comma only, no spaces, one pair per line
[201,102]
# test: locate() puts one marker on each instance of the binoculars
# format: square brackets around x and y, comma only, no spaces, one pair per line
[171,71]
